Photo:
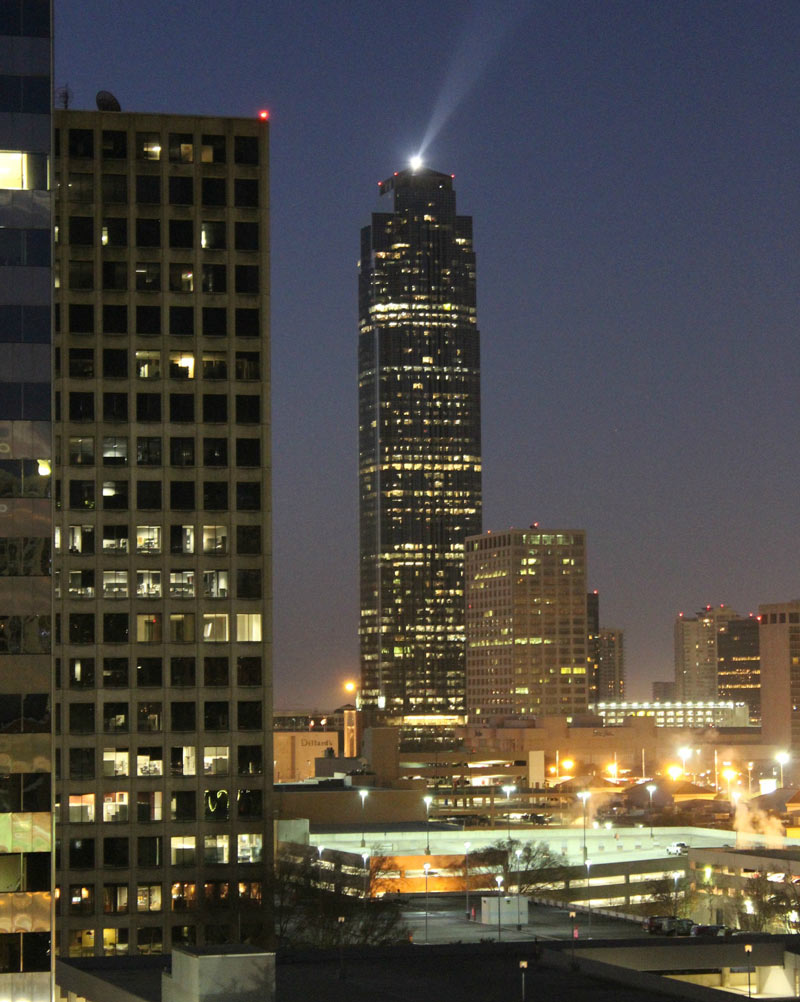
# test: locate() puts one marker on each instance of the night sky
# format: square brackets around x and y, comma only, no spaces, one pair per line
[632,171]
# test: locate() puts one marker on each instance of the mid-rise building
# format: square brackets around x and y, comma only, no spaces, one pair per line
[163,535]
[526,623]
[419,448]
[26,523]
[664,692]
[610,664]
[779,650]
[696,658]
[739,664]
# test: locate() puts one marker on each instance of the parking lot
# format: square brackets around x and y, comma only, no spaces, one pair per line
[447,923]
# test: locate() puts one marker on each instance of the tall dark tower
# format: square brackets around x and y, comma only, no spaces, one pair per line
[419,447]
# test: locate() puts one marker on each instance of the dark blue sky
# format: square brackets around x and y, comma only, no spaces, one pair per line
[632,170]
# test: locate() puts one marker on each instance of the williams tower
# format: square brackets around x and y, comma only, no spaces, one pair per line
[419,448]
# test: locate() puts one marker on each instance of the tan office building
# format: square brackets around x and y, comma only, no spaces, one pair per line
[779,646]
[526,623]
[163,535]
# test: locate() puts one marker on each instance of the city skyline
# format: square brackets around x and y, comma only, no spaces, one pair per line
[628,168]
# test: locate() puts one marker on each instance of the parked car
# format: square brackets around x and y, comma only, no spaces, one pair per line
[708,930]
[677,849]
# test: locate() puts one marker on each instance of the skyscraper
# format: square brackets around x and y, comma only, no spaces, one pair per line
[527,633]
[26,521]
[419,445]
[163,536]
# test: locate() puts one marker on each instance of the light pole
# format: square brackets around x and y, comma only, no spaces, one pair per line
[748,949]
[684,753]
[523,966]
[519,889]
[589,894]
[675,877]
[782,758]
[427,801]
[466,873]
[363,794]
[508,790]
[499,880]
[574,934]
[749,779]
[340,924]
[426,867]
[584,796]
[320,850]
[651,789]
[365,857]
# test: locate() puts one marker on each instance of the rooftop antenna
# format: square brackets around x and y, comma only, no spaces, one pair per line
[63,96]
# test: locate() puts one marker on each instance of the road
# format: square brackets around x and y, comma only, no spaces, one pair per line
[447,923]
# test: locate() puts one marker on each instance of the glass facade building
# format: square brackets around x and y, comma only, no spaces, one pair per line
[162,535]
[26,523]
[419,446]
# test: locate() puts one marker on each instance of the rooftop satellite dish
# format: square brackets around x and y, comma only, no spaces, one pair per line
[106,101]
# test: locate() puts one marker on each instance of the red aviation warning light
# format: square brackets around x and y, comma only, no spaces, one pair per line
[263,115]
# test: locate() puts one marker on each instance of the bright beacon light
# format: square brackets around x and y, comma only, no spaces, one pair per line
[263,115]
[415,162]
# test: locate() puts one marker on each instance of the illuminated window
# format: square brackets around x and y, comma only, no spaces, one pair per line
[215,627]
[248,627]
[23,171]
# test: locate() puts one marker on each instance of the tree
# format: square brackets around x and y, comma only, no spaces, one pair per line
[671,896]
[538,868]
[310,897]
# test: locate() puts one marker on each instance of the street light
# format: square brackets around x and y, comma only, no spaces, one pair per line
[651,789]
[320,850]
[748,949]
[782,758]
[574,934]
[466,873]
[749,778]
[427,801]
[426,867]
[340,924]
[676,877]
[584,796]
[523,966]
[519,888]
[508,790]
[684,754]
[499,880]
[363,794]
[589,893]
[729,775]
[365,857]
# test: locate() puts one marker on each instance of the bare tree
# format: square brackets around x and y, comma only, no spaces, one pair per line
[537,868]
[310,900]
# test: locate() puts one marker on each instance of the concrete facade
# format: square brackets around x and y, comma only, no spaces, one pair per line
[163,530]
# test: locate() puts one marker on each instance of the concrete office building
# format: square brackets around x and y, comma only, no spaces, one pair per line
[779,645]
[26,525]
[163,535]
[696,657]
[526,623]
